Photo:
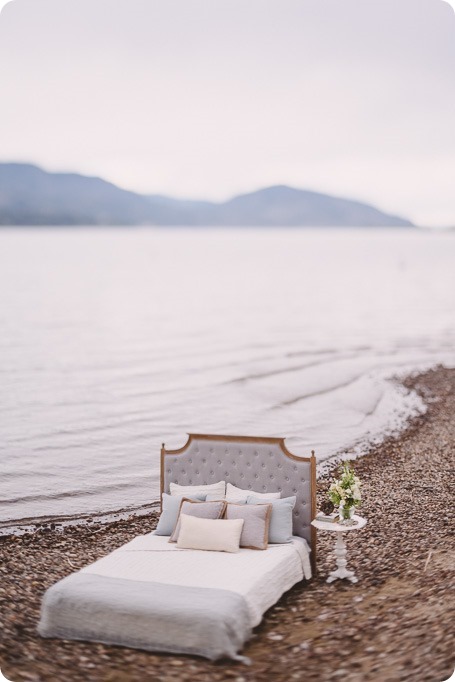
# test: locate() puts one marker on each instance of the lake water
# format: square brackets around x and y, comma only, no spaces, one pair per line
[114,340]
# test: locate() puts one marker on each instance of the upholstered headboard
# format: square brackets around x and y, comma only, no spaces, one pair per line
[263,465]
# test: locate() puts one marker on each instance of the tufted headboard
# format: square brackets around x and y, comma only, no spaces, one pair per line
[258,464]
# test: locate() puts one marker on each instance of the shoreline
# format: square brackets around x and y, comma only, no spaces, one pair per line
[356,450]
[365,447]
[393,625]
[31,524]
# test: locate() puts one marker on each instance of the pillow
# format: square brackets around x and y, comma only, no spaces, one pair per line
[213,488]
[280,529]
[211,497]
[170,512]
[217,535]
[255,533]
[205,510]
[234,494]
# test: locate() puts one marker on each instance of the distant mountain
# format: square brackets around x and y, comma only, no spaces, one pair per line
[282,205]
[31,196]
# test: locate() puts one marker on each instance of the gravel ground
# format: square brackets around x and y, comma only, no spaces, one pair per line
[394,624]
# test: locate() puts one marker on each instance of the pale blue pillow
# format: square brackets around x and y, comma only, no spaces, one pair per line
[170,512]
[280,529]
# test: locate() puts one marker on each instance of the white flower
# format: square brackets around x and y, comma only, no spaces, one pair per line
[346,489]
[356,492]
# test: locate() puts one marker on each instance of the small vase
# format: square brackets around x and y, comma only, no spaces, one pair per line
[346,514]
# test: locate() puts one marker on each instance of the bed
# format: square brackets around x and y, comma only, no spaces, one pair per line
[152,595]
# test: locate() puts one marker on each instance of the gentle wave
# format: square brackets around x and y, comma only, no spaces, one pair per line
[66,494]
[114,342]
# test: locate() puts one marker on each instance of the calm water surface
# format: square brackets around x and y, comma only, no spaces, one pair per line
[114,340]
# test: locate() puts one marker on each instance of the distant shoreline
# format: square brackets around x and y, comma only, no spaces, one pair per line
[214,228]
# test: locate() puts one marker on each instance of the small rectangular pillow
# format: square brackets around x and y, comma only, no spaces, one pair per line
[204,510]
[212,489]
[239,495]
[255,533]
[280,529]
[216,535]
[170,512]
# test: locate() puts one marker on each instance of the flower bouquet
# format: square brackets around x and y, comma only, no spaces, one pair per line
[345,493]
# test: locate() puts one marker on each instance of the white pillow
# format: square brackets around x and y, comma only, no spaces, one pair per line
[217,535]
[240,496]
[218,489]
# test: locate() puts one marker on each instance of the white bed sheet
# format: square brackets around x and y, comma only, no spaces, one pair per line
[259,576]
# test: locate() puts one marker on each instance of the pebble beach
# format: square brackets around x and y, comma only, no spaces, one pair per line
[394,624]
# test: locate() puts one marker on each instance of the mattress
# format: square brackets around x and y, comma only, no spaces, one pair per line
[152,595]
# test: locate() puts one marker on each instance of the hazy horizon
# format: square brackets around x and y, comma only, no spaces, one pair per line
[207,101]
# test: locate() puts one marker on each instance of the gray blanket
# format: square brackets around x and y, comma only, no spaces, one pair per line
[146,615]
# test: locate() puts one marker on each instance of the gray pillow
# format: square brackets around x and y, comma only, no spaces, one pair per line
[170,511]
[280,529]
[255,531]
[204,510]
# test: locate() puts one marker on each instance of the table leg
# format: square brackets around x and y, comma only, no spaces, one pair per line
[341,571]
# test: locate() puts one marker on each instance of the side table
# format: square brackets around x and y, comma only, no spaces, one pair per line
[340,547]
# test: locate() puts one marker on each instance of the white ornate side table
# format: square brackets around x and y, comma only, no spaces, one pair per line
[340,547]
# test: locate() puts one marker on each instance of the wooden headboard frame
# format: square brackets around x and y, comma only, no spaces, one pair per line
[249,462]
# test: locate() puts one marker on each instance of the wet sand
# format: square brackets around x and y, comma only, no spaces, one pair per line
[394,624]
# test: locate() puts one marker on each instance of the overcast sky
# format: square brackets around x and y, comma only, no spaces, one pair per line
[209,98]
